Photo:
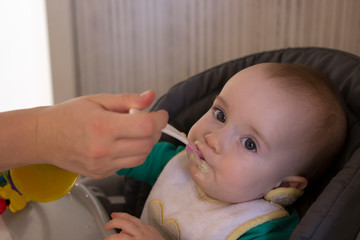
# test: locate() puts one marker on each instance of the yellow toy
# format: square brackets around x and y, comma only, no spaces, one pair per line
[8,196]
[17,202]
[39,183]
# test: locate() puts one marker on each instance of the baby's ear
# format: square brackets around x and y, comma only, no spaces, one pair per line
[289,190]
[297,182]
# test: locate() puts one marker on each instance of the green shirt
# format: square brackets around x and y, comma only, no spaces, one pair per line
[162,152]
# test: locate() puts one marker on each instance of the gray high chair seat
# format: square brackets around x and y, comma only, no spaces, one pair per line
[330,207]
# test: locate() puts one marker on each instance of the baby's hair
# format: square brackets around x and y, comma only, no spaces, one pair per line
[329,129]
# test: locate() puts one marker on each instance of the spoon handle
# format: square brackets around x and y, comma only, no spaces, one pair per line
[169,130]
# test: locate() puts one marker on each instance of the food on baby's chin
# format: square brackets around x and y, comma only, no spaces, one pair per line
[201,164]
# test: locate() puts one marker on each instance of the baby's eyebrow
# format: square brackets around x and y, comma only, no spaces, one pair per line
[222,101]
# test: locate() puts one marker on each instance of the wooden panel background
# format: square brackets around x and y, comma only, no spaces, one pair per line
[134,45]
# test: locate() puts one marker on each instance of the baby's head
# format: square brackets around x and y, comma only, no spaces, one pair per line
[272,125]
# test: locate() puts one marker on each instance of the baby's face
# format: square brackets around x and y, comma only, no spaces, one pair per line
[252,138]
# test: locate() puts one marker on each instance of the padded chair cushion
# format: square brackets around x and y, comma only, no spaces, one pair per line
[335,212]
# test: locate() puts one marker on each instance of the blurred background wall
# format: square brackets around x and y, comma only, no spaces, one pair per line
[122,46]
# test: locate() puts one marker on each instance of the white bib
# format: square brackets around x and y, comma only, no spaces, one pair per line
[177,210]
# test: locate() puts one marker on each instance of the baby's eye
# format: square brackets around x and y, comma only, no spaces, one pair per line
[219,114]
[249,144]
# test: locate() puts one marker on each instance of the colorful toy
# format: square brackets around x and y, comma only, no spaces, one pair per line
[16,201]
[8,196]
[40,183]
[3,205]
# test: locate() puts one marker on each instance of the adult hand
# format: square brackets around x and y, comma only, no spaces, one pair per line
[91,135]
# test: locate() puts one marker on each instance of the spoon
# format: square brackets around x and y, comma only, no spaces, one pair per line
[173,132]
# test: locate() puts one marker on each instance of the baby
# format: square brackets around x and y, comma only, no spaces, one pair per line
[272,129]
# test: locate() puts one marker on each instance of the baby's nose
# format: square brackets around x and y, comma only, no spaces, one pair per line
[217,140]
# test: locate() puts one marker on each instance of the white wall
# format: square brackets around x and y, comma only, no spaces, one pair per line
[25,78]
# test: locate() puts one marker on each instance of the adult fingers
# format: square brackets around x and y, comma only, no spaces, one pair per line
[124,147]
[107,168]
[123,102]
[136,125]
[126,162]
[124,153]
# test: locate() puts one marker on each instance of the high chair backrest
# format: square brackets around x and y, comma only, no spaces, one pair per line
[330,208]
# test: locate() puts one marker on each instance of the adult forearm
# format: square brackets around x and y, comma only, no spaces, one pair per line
[18,138]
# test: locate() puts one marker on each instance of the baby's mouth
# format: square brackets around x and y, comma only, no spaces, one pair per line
[192,148]
[197,158]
